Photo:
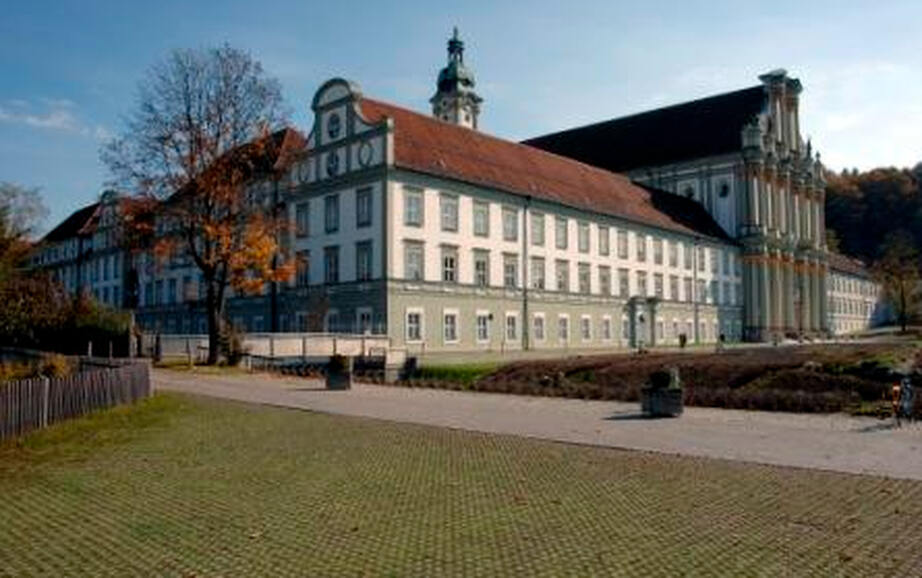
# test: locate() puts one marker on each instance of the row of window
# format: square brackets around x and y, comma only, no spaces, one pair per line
[331,213]
[510,329]
[331,268]
[679,254]
[414,270]
[850,285]
[850,307]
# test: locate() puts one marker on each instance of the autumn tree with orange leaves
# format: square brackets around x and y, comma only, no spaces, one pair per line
[204,152]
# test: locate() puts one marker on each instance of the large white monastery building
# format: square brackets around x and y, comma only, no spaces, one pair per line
[701,220]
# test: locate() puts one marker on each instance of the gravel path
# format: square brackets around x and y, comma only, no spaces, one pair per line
[832,442]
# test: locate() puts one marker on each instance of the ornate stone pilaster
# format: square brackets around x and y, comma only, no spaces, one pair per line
[790,323]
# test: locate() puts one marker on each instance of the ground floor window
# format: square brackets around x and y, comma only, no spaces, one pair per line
[625,329]
[450,327]
[606,329]
[585,327]
[414,326]
[563,328]
[538,331]
[363,319]
[483,327]
[512,332]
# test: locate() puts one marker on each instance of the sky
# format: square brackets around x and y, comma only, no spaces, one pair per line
[70,70]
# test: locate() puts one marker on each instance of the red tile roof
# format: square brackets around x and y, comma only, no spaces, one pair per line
[846,264]
[438,148]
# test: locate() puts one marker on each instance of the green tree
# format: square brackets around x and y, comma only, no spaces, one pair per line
[898,270]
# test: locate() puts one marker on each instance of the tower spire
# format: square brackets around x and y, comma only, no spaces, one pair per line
[455,100]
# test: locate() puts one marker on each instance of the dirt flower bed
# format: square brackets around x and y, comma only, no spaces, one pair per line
[822,378]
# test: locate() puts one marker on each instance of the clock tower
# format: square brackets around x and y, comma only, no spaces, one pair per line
[455,100]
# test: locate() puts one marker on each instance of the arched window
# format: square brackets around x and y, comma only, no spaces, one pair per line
[689,192]
[724,190]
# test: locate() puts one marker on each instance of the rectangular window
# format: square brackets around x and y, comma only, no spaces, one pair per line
[510,271]
[510,224]
[674,287]
[364,320]
[537,229]
[512,327]
[483,327]
[331,264]
[702,296]
[641,241]
[622,244]
[657,251]
[148,294]
[582,237]
[449,212]
[585,327]
[673,254]
[414,326]
[563,328]
[715,261]
[363,207]
[302,219]
[642,283]
[605,280]
[481,219]
[171,295]
[658,285]
[537,272]
[450,327]
[412,207]
[413,261]
[116,267]
[331,213]
[538,327]
[363,261]
[302,264]
[584,278]
[715,292]
[604,240]
[727,270]
[726,294]
[702,259]
[116,296]
[562,274]
[481,268]
[560,233]
[606,329]
[624,283]
[449,264]
[687,287]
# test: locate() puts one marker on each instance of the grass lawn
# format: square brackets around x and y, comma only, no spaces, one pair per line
[187,486]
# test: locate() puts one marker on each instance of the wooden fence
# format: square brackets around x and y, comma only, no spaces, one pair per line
[30,404]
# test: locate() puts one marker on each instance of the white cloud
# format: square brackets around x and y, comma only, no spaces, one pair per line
[56,114]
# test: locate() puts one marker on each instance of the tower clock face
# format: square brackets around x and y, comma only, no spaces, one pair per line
[334,125]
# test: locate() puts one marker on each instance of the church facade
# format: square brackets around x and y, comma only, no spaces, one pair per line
[741,156]
[696,222]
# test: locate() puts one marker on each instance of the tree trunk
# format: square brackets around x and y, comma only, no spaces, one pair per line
[214,307]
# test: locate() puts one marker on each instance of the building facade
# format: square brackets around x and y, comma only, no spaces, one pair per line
[853,298]
[84,253]
[444,238]
[741,156]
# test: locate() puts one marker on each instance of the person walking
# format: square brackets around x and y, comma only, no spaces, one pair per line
[907,398]
[895,394]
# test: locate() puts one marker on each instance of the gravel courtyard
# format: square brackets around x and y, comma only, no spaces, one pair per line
[834,442]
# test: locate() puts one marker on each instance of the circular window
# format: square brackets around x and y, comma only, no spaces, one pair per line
[332,164]
[365,153]
[334,126]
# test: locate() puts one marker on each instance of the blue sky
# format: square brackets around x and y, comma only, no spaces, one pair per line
[70,69]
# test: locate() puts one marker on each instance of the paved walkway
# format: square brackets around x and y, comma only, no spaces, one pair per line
[832,442]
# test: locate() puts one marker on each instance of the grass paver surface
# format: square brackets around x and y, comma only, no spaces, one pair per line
[191,486]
